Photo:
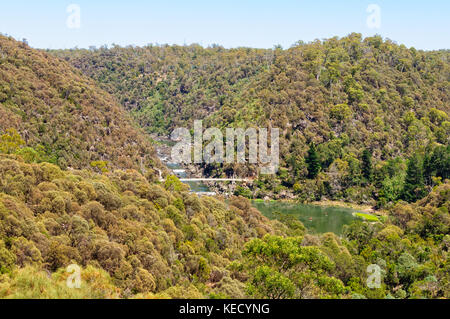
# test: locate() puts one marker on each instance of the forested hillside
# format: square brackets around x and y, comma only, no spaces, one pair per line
[135,239]
[62,116]
[77,184]
[353,112]
[143,237]
[168,86]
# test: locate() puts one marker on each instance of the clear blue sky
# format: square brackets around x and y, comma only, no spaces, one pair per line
[231,23]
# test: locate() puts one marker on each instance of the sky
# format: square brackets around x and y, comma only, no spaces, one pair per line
[232,23]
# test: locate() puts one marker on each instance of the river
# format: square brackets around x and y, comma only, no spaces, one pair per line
[317,219]
[180,172]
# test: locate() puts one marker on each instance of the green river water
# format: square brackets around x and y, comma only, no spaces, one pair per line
[317,219]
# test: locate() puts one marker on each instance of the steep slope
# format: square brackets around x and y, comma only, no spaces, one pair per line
[147,237]
[167,86]
[136,238]
[133,238]
[364,88]
[63,115]
[373,93]
[350,97]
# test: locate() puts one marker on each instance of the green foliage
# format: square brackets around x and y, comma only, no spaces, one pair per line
[366,167]
[367,217]
[284,268]
[413,188]
[344,94]
[61,116]
[269,283]
[144,237]
[137,239]
[243,191]
[312,160]
[7,259]
[172,183]
[11,142]
[32,283]
[436,163]
[100,166]
[340,112]
[116,222]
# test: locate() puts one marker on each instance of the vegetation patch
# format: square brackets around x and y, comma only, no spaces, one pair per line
[368,217]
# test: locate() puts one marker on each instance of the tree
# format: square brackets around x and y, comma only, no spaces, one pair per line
[436,163]
[340,112]
[413,188]
[10,142]
[428,168]
[366,167]
[269,283]
[312,160]
[172,183]
[282,268]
